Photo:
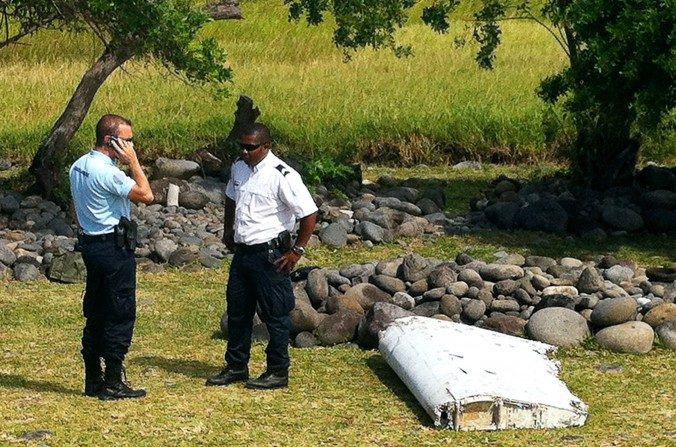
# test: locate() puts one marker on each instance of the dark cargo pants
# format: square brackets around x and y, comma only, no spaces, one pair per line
[253,281]
[109,304]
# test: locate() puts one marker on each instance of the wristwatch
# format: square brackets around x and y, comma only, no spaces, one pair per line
[300,251]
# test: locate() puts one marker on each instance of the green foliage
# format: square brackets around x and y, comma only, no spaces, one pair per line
[163,30]
[622,63]
[359,24]
[326,169]
[621,58]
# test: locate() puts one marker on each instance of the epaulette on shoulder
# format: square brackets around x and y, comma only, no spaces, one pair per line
[282,169]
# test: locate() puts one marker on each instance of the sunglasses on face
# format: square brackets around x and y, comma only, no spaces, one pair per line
[128,140]
[250,147]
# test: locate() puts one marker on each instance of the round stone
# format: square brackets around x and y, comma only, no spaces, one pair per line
[660,314]
[499,272]
[618,274]
[305,340]
[613,311]
[558,326]
[450,305]
[473,309]
[470,277]
[403,300]
[634,337]
[667,334]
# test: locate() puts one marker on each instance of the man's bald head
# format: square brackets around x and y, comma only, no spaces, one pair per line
[109,125]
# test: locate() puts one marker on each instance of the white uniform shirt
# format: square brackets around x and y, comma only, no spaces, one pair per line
[268,199]
[99,190]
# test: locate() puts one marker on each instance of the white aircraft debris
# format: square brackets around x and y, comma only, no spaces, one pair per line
[468,378]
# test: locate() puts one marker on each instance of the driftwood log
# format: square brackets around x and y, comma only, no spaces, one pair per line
[218,156]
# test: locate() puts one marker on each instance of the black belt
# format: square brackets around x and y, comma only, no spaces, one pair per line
[98,237]
[257,247]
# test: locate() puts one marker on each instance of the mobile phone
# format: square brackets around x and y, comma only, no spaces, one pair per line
[116,146]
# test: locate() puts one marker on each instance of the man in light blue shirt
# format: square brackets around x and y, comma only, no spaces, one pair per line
[102,196]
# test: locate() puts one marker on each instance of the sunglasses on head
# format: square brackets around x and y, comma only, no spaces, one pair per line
[250,147]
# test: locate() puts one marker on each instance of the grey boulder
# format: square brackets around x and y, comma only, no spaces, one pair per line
[68,268]
[181,169]
[558,326]
[635,337]
[338,328]
[613,311]
[376,320]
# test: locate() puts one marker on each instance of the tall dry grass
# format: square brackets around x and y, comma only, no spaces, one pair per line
[435,104]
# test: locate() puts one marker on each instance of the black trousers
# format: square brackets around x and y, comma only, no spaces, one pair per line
[253,281]
[109,304]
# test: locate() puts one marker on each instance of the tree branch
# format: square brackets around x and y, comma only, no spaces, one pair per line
[556,37]
[25,32]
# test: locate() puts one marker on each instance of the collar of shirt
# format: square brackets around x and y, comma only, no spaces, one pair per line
[103,157]
[265,162]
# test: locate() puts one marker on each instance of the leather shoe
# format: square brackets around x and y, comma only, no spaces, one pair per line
[227,376]
[270,380]
[94,387]
[120,390]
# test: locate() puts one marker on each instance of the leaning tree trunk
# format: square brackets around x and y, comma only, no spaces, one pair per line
[608,153]
[44,166]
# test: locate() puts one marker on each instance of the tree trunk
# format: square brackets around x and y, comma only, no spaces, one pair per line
[608,154]
[44,166]
[245,115]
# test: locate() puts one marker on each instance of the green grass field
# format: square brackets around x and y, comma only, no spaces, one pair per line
[338,396]
[433,105]
[435,102]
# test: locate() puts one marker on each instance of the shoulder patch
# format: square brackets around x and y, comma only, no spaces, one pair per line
[282,169]
[119,178]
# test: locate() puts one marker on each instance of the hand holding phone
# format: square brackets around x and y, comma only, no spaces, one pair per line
[115,144]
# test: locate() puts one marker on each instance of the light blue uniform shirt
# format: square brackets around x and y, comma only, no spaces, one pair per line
[99,190]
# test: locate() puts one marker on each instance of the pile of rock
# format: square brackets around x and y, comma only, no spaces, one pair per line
[556,205]
[562,302]
[184,226]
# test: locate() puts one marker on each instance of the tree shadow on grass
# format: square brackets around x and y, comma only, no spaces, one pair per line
[390,379]
[17,381]
[189,368]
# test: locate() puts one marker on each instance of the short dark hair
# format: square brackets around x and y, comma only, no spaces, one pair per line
[108,125]
[260,130]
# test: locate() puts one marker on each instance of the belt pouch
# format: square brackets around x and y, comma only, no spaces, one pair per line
[131,236]
[119,236]
[284,241]
[80,240]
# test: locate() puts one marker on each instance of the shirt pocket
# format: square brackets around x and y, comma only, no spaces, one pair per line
[258,205]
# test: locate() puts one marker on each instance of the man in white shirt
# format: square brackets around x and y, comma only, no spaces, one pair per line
[264,198]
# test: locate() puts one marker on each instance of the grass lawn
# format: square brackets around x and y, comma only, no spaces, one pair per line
[338,396]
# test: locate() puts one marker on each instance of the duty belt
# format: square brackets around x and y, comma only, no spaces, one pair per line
[270,245]
[98,237]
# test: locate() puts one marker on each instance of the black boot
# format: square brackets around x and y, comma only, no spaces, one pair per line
[229,375]
[270,380]
[93,377]
[115,387]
